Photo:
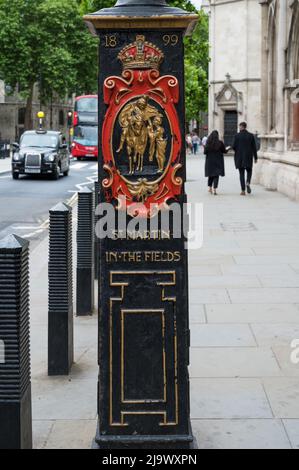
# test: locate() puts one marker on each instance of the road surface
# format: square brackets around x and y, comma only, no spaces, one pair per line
[25,203]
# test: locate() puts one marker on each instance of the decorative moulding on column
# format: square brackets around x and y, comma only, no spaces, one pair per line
[132,14]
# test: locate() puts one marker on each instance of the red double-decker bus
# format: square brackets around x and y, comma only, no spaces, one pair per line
[85,125]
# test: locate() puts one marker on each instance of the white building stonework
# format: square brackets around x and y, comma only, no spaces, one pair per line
[235,67]
[278,168]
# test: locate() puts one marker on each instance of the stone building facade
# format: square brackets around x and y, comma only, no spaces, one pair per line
[235,67]
[278,168]
[12,113]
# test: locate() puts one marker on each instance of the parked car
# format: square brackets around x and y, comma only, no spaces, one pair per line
[41,152]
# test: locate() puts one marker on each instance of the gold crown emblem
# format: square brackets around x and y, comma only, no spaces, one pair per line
[141,54]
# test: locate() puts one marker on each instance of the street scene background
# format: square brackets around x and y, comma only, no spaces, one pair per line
[241,65]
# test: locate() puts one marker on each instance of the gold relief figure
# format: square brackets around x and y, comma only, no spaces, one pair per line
[141,125]
[152,139]
[161,143]
[140,143]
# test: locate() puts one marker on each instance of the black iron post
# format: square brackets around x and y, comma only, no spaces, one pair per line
[60,313]
[15,382]
[143,286]
[96,241]
[85,253]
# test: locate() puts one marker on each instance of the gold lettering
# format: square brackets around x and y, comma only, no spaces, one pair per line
[110,41]
[170,39]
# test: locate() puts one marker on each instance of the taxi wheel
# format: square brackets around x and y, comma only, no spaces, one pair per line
[15,176]
[56,174]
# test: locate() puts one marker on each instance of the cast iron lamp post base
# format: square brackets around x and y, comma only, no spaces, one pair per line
[144,337]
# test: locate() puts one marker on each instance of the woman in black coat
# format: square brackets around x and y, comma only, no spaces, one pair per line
[214,151]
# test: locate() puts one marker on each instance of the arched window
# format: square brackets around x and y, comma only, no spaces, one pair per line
[61,118]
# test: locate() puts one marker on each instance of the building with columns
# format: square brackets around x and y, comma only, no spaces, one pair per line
[235,67]
[278,168]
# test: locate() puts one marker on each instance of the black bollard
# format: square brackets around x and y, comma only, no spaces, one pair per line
[96,241]
[85,253]
[15,382]
[60,314]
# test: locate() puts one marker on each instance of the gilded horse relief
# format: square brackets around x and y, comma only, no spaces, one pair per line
[142,135]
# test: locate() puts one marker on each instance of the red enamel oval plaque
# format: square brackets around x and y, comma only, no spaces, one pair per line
[141,138]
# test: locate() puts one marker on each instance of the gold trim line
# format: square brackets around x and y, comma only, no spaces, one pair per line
[187,22]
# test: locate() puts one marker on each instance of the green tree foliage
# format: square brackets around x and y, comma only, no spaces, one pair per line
[46,42]
[197,57]
[197,69]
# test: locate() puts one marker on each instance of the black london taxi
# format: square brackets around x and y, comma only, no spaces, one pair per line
[41,152]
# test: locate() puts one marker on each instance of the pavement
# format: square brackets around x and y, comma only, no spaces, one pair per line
[5,165]
[244,313]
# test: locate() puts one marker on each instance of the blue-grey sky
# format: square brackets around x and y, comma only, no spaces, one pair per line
[197,3]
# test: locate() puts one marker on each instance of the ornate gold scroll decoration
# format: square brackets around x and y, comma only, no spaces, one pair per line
[142,189]
[176,180]
[108,182]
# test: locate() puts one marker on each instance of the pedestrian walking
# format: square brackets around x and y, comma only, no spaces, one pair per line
[214,151]
[204,140]
[189,143]
[195,143]
[245,152]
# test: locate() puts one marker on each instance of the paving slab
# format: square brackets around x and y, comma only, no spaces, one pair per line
[264,295]
[292,429]
[253,313]
[208,296]
[295,267]
[204,270]
[276,334]
[197,314]
[228,399]
[267,260]
[41,431]
[76,434]
[63,398]
[233,362]
[224,282]
[262,271]
[211,260]
[241,434]
[222,335]
[281,280]
[283,356]
[283,396]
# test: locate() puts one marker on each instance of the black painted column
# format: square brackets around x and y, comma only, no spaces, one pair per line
[85,253]
[96,241]
[143,398]
[60,313]
[15,382]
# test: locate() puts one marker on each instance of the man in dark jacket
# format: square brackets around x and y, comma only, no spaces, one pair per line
[245,151]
